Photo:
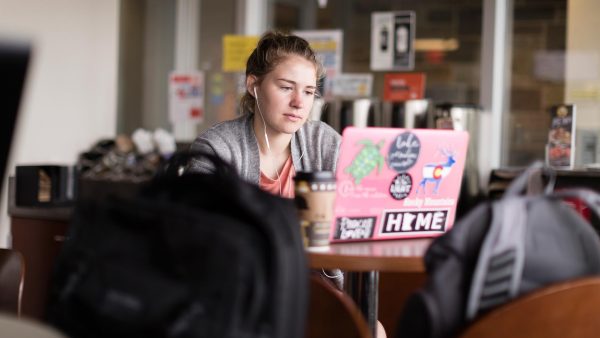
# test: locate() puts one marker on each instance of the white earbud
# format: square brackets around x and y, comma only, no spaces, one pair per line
[262,118]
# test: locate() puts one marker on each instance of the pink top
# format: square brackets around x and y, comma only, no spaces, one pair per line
[283,185]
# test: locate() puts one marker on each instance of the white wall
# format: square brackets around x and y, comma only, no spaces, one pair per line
[71,91]
[582,85]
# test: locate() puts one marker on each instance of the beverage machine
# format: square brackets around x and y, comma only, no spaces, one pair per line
[343,112]
[373,112]
[464,117]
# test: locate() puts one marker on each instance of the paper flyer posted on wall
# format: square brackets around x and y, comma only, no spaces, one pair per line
[560,149]
[397,183]
[392,40]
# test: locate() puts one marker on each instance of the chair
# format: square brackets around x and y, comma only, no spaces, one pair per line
[332,313]
[12,275]
[567,309]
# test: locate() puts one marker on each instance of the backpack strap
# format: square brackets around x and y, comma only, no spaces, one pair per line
[531,182]
[497,276]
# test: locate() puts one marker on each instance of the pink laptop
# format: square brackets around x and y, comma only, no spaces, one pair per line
[397,183]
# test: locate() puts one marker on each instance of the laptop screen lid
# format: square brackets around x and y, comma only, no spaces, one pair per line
[397,183]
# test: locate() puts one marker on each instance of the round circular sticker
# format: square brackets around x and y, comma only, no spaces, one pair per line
[404,152]
[401,186]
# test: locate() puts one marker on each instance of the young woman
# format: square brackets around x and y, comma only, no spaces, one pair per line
[274,137]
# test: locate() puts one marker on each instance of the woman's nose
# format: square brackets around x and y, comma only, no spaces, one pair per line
[297,101]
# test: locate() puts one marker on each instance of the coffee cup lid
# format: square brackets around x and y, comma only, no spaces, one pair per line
[315,176]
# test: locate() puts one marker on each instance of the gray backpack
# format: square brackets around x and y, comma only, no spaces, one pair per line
[502,250]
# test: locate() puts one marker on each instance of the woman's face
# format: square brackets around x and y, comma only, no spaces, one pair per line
[285,96]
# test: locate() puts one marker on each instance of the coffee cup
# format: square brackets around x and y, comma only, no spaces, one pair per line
[315,195]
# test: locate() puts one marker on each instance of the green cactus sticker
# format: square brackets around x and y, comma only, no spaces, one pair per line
[366,160]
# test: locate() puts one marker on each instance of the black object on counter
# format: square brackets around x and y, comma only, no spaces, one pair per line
[44,185]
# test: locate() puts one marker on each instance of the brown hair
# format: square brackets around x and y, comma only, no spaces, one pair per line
[272,49]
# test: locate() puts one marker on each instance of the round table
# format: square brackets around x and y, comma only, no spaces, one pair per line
[405,255]
[362,262]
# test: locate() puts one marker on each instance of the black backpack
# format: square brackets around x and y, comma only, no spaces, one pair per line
[499,251]
[197,255]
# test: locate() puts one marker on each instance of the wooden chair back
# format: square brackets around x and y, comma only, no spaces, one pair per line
[12,276]
[568,309]
[332,313]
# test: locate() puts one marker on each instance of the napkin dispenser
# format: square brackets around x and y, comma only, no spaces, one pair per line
[44,185]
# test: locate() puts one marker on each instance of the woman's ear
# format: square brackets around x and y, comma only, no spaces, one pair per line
[251,83]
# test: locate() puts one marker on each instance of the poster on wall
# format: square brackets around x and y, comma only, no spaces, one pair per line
[236,50]
[399,87]
[560,150]
[392,40]
[186,97]
[328,44]
[352,85]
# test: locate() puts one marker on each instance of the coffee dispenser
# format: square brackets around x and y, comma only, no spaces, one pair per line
[463,117]
[407,114]
[341,113]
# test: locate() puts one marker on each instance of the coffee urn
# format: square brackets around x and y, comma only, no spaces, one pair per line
[407,114]
[463,117]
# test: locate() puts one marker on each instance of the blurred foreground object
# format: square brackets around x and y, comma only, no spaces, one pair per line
[13,327]
[14,60]
[503,250]
[192,255]
[12,275]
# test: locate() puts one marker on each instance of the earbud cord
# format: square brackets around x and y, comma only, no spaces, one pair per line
[267,141]
[340,274]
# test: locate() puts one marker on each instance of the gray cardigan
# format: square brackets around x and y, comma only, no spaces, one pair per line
[314,147]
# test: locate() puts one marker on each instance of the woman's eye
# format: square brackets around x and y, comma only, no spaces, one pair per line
[309,93]
[286,88]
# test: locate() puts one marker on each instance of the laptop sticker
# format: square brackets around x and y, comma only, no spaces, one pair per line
[367,159]
[435,172]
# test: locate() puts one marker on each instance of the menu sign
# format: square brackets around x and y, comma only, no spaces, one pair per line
[403,86]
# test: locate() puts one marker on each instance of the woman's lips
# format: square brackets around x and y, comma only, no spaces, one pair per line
[293,117]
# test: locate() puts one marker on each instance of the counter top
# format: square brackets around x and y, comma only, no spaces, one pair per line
[58,213]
